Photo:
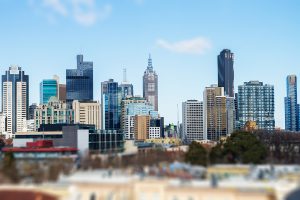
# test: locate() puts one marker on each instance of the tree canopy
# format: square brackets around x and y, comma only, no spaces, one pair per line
[197,154]
[240,147]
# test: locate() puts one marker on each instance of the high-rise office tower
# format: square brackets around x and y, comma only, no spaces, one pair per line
[215,115]
[79,82]
[31,110]
[111,105]
[256,103]
[231,114]
[291,106]
[150,85]
[226,72]
[192,120]
[126,87]
[87,112]
[15,99]
[48,88]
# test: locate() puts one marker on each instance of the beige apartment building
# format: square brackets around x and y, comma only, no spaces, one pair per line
[215,119]
[87,112]
[141,127]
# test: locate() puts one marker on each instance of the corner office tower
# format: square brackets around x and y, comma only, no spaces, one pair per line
[15,99]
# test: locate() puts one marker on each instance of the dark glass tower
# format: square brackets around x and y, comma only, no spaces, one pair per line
[111,105]
[79,82]
[291,106]
[15,99]
[150,85]
[226,72]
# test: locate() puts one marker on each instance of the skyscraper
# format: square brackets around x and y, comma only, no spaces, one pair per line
[226,72]
[150,85]
[192,120]
[79,82]
[231,114]
[87,112]
[15,99]
[256,103]
[215,115]
[126,87]
[111,105]
[48,88]
[291,106]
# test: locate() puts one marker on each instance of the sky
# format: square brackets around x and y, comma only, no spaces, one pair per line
[184,38]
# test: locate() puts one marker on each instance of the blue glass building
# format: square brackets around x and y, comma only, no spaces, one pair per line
[126,90]
[111,98]
[48,88]
[256,103]
[79,82]
[291,106]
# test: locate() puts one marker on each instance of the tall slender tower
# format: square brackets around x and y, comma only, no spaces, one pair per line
[291,106]
[150,85]
[226,72]
[111,105]
[15,99]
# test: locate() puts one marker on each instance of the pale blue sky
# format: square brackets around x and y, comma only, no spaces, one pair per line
[183,37]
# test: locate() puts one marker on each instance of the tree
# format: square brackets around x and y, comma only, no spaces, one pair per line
[2,143]
[240,147]
[196,155]
[9,168]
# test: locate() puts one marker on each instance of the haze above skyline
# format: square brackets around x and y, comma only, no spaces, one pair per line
[184,38]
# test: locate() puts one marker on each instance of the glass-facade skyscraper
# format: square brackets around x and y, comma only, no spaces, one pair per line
[48,88]
[79,82]
[111,105]
[150,85]
[256,103]
[126,87]
[15,99]
[291,106]
[226,72]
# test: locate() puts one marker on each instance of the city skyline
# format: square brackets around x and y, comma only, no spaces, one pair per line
[264,44]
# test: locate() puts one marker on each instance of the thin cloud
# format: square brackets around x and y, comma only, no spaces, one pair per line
[91,16]
[198,45]
[83,12]
[57,6]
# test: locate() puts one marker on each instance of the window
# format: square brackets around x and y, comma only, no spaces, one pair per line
[151,87]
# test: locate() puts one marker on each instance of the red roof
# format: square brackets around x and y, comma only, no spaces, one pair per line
[39,150]
[40,146]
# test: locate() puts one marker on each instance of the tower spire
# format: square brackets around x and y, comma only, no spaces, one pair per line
[150,67]
[124,75]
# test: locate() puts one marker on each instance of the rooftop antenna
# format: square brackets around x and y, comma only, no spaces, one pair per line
[124,75]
